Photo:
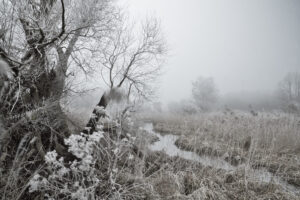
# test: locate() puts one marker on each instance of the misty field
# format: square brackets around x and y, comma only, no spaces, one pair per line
[238,156]
[149,100]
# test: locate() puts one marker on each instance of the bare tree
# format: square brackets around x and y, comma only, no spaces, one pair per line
[132,61]
[204,93]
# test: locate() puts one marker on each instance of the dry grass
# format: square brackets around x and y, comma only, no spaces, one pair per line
[154,175]
[176,178]
[267,141]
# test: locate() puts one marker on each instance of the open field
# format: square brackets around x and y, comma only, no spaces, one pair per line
[262,151]
[158,157]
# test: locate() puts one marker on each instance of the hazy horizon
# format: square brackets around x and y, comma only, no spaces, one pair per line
[243,45]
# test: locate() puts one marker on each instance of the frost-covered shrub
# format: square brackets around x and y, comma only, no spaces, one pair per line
[74,180]
[96,173]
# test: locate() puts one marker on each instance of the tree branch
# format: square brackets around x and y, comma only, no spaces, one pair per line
[63,27]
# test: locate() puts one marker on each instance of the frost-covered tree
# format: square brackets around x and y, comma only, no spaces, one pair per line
[45,41]
[42,46]
[132,58]
[205,93]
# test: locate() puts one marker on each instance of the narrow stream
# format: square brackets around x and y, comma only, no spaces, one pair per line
[166,143]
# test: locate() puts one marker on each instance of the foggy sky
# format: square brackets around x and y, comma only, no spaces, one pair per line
[244,45]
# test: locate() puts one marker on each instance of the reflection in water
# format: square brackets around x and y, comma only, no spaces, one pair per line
[166,143]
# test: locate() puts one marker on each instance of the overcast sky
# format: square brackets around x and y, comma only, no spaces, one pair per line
[242,44]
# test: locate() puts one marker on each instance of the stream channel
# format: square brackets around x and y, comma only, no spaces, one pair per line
[166,143]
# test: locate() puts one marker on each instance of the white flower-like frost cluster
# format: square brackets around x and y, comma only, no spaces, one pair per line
[82,170]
